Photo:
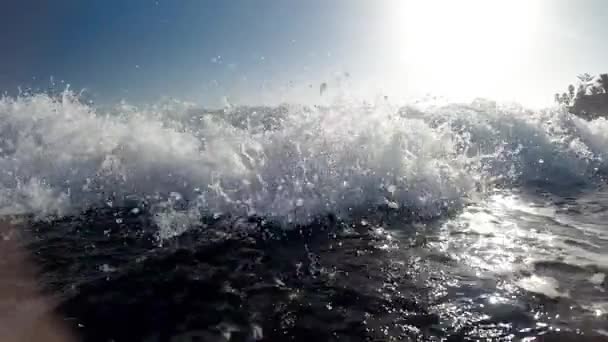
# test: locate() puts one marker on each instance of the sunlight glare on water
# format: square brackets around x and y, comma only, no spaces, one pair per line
[497,240]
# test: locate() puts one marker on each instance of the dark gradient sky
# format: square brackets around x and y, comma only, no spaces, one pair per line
[259,50]
[142,49]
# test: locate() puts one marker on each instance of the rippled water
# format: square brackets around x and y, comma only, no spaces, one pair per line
[534,251]
[348,222]
[503,270]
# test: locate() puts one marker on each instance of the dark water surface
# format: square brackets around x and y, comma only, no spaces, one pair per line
[446,221]
[234,279]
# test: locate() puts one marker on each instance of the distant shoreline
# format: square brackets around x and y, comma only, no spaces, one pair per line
[590,106]
[589,100]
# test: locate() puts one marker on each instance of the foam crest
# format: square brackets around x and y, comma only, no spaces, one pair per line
[288,163]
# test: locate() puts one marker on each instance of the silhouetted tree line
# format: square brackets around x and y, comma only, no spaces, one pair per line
[587,86]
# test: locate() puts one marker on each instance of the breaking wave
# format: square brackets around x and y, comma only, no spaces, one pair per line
[289,163]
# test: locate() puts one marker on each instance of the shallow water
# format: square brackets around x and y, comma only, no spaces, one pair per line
[347,222]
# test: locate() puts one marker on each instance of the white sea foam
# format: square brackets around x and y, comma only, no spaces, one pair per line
[543,285]
[289,163]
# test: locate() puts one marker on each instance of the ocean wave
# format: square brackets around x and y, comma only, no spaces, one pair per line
[289,163]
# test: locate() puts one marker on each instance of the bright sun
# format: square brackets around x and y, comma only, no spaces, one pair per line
[465,45]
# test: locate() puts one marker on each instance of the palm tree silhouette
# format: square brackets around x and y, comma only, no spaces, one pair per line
[585,78]
[582,91]
[571,92]
[603,81]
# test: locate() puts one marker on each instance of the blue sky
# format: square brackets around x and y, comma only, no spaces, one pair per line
[269,51]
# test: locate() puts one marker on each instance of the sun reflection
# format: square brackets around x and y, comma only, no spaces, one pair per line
[496,236]
[496,299]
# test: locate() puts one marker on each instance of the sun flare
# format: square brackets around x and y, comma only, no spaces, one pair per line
[456,45]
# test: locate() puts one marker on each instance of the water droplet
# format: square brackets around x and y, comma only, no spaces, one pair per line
[256,332]
[393,205]
[106,268]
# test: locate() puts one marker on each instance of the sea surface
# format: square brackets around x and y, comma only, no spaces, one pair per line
[344,222]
